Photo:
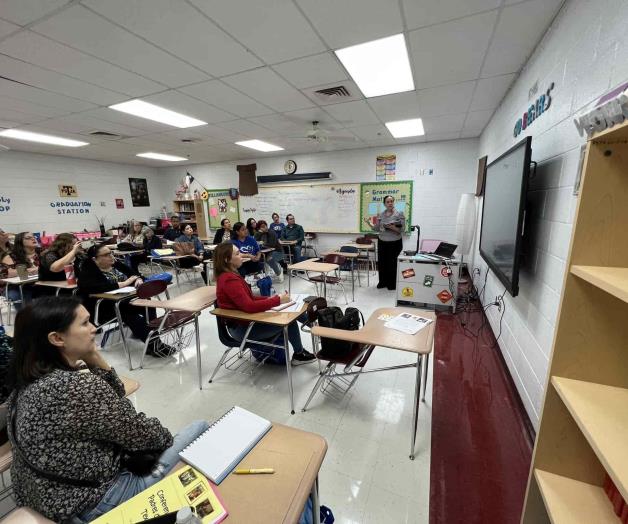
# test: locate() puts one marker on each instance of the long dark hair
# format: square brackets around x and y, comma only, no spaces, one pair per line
[61,245]
[19,253]
[33,354]
[250,227]
[236,227]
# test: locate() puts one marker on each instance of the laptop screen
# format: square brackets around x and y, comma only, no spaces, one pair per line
[445,250]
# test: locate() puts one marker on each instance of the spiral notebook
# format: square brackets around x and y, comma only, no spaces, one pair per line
[227,441]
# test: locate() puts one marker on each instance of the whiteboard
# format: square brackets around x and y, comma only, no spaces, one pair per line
[322,208]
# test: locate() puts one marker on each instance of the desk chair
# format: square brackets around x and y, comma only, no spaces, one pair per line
[308,245]
[334,279]
[244,356]
[349,263]
[370,261]
[172,328]
[330,382]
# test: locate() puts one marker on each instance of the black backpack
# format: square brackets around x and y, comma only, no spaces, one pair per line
[333,317]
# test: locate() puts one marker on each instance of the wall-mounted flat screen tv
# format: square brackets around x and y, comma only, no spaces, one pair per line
[503,213]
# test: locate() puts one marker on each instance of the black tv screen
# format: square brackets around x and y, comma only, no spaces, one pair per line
[503,213]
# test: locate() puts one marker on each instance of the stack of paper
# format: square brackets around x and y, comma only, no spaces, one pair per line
[295,304]
[408,323]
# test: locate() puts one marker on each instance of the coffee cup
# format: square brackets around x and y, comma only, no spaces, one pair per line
[22,272]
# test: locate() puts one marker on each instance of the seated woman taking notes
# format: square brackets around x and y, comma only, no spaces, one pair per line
[232,292]
[68,429]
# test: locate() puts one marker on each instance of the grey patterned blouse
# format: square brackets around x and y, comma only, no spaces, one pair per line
[71,423]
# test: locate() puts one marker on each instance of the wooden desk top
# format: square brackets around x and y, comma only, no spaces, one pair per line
[16,281]
[192,301]
[297,457]
[287,242]
[267,250]
[374,332]
[130,385]
[360,246]
[115,296]
[170,257]
[61,284]
[117,252]
[310,265]
[342,254]
[276,318]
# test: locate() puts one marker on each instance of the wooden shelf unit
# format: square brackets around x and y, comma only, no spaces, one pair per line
[192,212]
[584,423]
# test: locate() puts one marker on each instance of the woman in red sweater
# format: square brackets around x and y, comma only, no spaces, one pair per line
[232,292]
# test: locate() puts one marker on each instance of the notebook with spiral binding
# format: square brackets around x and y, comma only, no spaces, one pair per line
[227,441]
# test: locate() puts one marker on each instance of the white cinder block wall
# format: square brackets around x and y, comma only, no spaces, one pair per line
[584,53]
[436,197]
[31,180]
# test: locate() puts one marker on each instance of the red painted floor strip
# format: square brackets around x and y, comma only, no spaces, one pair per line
[481,446]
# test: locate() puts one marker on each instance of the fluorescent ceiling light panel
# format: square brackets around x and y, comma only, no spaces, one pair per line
[380,67]
[43,139]
[161,156]
[259,145]
[406,128]
[156,113]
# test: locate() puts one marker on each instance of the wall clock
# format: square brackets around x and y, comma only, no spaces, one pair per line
[290,167]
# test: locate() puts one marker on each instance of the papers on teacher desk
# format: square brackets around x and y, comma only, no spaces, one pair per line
[295,304]
[408,323]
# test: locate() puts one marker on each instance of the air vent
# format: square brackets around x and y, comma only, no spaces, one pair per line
[106,135]
[333,92]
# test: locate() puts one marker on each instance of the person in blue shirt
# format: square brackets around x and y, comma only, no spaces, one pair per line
[277,227]
[249,248]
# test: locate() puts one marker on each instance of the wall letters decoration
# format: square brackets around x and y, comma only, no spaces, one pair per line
[540,106]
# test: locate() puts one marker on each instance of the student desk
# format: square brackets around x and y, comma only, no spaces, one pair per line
[366,249]
[17,281]
[375,334]
[276,318]
[117,299]
[280,497]
[194,302]
[173,261]
[288,244]
[57,284]
[312,265]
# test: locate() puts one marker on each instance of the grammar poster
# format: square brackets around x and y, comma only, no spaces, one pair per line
[220,206]
[372,201]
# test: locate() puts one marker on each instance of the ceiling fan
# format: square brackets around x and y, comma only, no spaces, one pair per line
[322,136]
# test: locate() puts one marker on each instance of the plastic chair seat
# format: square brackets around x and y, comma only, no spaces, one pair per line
[175,319]
[6,457]
[322,279]
[348,357]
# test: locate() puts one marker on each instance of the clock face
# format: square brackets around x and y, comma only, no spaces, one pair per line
[290,167]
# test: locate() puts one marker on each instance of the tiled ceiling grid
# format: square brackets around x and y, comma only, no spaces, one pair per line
[249,68]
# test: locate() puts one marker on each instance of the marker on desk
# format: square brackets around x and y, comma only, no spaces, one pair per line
[253,471]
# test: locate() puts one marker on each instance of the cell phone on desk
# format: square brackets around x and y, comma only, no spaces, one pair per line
[168,518]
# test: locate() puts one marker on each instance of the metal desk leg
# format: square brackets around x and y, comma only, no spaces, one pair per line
[289,278]
[426,364]
[121,328]
[288,367]
[325,286]
[353,280]
[415,413]
[199,363]
[316,506]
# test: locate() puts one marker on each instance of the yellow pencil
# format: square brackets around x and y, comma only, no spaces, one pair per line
[253,471]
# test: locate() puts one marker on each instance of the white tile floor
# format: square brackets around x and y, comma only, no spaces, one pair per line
[366,476]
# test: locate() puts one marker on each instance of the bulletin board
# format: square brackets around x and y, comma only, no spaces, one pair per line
[220,206]
[372,200]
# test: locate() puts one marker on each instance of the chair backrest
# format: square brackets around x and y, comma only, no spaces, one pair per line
[363,240]
[429,244]
[151,289]
[313,308]
[311,236]
[335,259]
[348,249]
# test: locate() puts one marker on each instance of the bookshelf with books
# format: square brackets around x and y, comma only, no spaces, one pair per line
[584,422]
[192,212]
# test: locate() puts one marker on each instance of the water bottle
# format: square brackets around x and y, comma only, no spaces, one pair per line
[187,516]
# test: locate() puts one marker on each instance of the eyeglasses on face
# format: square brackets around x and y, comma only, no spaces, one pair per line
[107,254]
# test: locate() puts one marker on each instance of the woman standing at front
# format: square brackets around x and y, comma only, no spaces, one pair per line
[390,224]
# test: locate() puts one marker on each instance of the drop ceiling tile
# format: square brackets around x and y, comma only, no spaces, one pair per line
[17,117]
[476,121]
[400,106]
[297,123]
[275,30]
[117,117]
[450,52]
[520,28]
[352,22]
[6,28]
[219,94]
[180,29]
[42,97]
[177,101]
[41,51]
[84,30]
[374,133]
[443,124]
[29,108]
[51,81]
[85,124]
[440,137]
[352,114]
[221,134]
[267,87]
[490,92]
[24,12]
[445,100]
[421,13]
[248,129]
[174,138]
[312,71]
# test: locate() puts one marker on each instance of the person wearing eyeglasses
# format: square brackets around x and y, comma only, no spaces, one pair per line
[25,252]
[101,273]
[294,231]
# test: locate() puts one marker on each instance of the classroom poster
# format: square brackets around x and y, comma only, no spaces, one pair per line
[372,201]
[220,205]
[385,167]
[139,192]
